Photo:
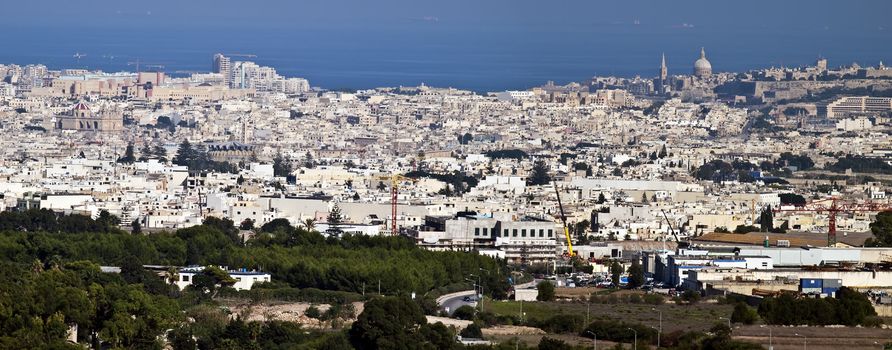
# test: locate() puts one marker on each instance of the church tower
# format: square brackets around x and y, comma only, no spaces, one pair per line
[664,71]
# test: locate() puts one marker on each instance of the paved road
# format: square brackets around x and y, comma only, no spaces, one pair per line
[454,301]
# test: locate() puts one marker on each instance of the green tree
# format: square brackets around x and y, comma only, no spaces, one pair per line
[145,152]
[552,344]
[881,228]
[636,274]
[210,281]
[464,312]
[616,270]
[128,157]
[186,155]
[335,216]
[546,291]
[472,331]
[744,314]
[539,174]
[159,152]
[387,323]
[313,312]
[691,296]
[281,167]
[766,219]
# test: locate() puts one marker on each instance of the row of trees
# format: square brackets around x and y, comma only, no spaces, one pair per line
[860,164]
[198,159]
[300,258]
[39,301]
[146,152]
[849,308]
[719,170]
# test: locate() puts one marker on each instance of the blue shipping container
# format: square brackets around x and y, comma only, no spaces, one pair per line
[811,283]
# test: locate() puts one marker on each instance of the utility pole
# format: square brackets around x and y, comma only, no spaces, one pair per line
[588,309]
[659,331]
[635,345]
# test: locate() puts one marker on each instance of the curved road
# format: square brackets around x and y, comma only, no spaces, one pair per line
[451,302]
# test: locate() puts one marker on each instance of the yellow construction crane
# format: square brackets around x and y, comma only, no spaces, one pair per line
[563,219]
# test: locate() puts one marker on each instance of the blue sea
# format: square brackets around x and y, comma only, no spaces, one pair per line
[467,57]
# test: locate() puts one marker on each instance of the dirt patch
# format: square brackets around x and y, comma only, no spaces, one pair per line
[511,330]
[290,312]
[818,338]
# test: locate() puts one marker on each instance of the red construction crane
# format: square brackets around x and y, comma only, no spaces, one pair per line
[395,181]
[833,206]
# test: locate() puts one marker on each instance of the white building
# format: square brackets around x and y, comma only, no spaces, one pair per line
[854,124]
[244,279]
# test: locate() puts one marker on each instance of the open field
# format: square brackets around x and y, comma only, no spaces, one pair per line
[689,318]
[675,317]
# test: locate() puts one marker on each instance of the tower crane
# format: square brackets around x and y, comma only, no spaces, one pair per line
[563,220]
[834,207]
[395,180]
[138,63]
[248,55]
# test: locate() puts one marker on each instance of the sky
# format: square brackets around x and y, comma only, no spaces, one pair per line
[477,44]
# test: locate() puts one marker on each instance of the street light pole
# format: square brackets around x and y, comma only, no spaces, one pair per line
[594,340]
[659,331]
[481,288]
[804,341]
[635,345]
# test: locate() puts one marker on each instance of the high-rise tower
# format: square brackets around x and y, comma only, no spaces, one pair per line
[222,65]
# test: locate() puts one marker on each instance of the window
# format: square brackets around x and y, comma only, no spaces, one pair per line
[185,278]
[514,232]
[523,232]
[550,233]
[541,233]
[485,232]
[505,233]
[476,231]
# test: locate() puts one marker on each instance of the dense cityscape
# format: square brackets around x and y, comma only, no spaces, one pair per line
[238,208]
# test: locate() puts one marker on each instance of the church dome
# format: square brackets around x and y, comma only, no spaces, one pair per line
[702,67]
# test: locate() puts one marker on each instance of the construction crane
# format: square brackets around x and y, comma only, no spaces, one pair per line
[563,220]
[395,180]
[834,207]
[189,72]
[248,55]
[139,63]
[671,230]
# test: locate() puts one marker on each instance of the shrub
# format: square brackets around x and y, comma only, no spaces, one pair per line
[464,312]
[654,299]
[472,331]
[313,312]
[546,291]
[744,314]
[691,296]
